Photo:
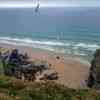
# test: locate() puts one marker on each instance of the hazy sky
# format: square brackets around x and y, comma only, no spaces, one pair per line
[55,3]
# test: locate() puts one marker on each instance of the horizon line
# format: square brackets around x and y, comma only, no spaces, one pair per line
[42,5]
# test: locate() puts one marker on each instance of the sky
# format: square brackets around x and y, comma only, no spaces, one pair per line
[49,3]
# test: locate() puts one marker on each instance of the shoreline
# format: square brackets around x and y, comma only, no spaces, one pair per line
[73,71]
[20,47]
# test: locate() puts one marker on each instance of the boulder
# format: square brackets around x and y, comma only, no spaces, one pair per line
[49,75]
[57,57]
[14,57]
[52,76]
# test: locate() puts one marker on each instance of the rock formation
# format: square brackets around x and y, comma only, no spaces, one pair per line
[94,77]
[19,66]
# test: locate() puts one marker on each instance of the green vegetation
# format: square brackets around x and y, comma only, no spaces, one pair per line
[14,89]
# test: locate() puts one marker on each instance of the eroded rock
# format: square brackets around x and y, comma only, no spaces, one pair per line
[19,66]
[94,77]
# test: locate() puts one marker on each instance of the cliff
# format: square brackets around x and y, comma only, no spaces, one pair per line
[94,77]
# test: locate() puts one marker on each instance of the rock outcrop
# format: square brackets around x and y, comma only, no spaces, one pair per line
[94,77]
[19,66]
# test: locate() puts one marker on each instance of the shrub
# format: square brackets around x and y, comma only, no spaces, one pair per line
[14,89]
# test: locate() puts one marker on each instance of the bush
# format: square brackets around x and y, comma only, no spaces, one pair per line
[14,89]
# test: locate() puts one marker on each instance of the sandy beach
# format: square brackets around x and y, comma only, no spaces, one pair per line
[73,72]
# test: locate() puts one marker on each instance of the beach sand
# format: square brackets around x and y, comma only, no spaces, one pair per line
[73,72]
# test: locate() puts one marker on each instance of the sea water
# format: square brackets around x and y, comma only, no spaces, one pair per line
[69,30]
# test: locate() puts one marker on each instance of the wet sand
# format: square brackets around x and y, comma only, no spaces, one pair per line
[73,72]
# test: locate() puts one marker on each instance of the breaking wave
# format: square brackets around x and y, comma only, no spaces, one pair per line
[76,48]
[30,41]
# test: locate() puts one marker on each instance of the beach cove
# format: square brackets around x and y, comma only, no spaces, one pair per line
[72,71]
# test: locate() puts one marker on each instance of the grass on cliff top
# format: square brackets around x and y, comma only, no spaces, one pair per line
[14,89]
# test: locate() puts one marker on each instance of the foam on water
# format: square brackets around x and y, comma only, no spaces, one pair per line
[68,47]
[28,40]
[87,45]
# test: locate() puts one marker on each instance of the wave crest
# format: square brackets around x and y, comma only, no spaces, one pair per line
[51,45]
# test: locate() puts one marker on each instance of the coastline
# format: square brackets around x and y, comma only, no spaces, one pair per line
[73,71]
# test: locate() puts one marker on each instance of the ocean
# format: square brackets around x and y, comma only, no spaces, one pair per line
[71,31]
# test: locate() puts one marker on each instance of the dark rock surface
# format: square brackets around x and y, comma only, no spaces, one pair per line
[19,66]
[57,57]
[94,77]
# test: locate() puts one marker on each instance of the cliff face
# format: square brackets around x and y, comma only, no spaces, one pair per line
[94,77]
